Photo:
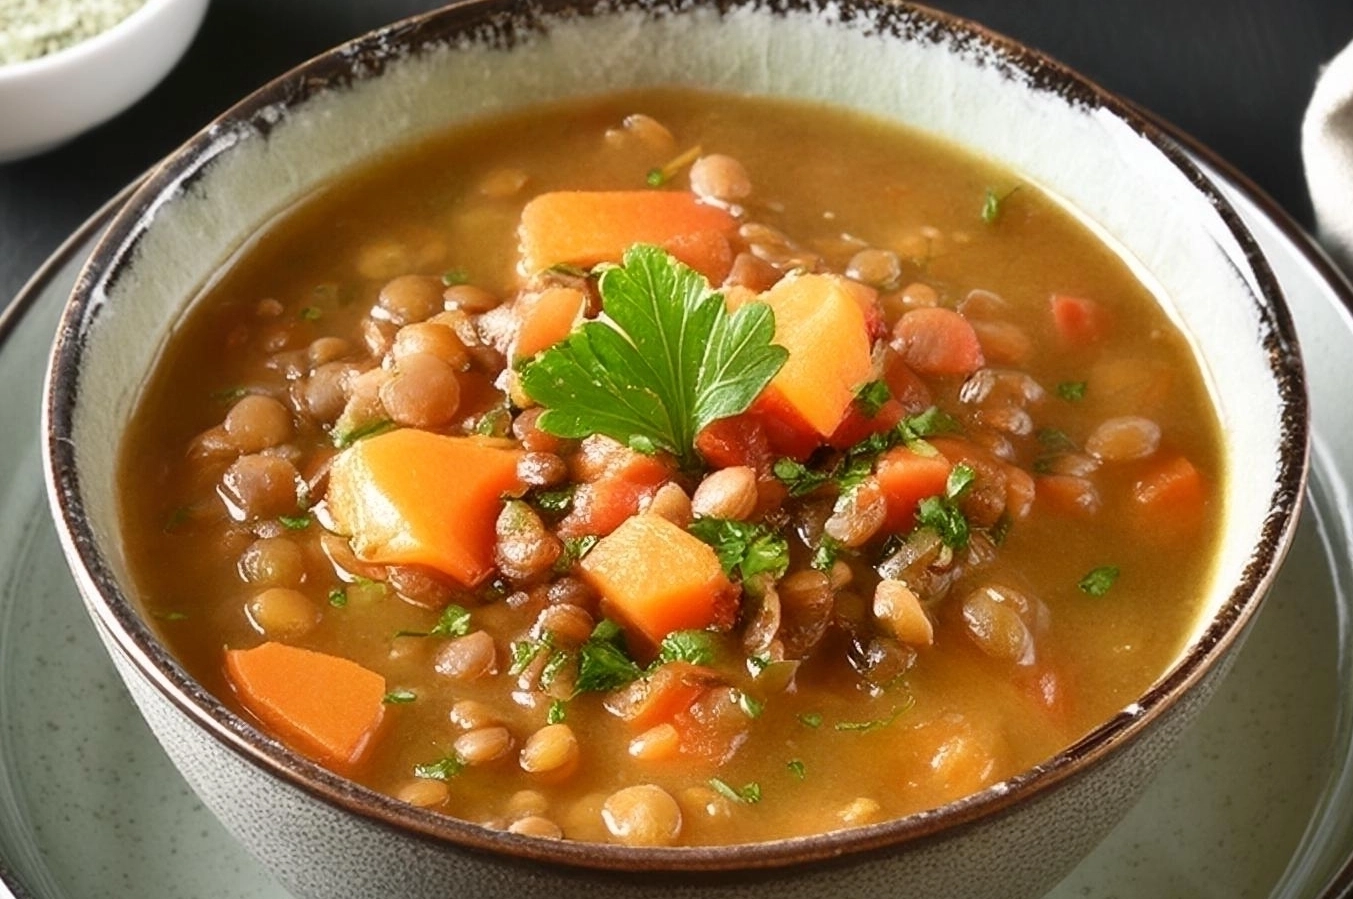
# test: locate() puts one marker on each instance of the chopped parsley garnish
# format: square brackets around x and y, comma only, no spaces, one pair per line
[1098,581]
[312,313]
[455,276]
[797,769]
[991,204]
[494,423]
[942,512]
[454,622]
[696,647]
[1055,440]
[870,398]
[574,550]
[294,522]
[875,724]
[603,663]
[553,666]
[557,713]
[750,705]
[799,478]
[523,652]
[230,394]
[665,361]
[1071,391]
[824,557]
[1001,529]
[442,769]
[810,719]
[744,548]
[338,597]
[748,795]
[399,697]
[554,502]
[345,439]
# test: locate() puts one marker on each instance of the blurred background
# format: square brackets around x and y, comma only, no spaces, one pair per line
[1235,74]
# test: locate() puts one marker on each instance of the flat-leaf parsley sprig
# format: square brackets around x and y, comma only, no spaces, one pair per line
[665,360]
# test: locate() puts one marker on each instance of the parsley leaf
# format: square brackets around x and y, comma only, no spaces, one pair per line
[557,713]
[870,398]
[797,768]
[666,360]
[749,794]
[991,204]
[824,557]
[810,719]
[454,622]
[345,439]
[523,652]
[1098,581]
[696,647]
[442,769]
[399,697]
[799,478]
[574,549]
[294,522]
[1071,391]
[602,661]
[744,547]
[943,514]
[338,597]
[875,724]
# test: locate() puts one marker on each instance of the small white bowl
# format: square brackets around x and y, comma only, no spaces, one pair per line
[49,100]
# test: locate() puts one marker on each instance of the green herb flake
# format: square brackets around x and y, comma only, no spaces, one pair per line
[603,663]
[943,514]
[744,547]
[230,395]
[345,439]
[991,204]
[338,597]
[1072,391]
[695,647]
[750,705]
[750,794]
[810,719]
[558,712]
[312,313]
[454,622]
[798,478]
[960,479]
[1098,581]
[553,502]
[870,398]
[826,554]
[170,616]
[1055,440]
[797,769]
[494,423]
[442,769]
[523,652]
[575,548]
[294,522]
[655,178]
[455,276]
[1001,529]
[877,723]
[399,697]
[666,360]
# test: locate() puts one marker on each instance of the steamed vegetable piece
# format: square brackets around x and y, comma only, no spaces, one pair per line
[321,705]
[668,360]
[655,578]
[412,497]
[585,228]
[546,318]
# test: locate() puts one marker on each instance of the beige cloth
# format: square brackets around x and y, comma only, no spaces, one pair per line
[1327,149]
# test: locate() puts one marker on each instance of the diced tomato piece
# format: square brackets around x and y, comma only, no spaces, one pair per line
[905,385]
[737,440]
[601,506]
[856,426]
[1079,322]
[787,432]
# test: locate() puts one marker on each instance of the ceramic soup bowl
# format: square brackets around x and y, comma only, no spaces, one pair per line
[327,837]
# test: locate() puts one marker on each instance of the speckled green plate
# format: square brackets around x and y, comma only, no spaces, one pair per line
[1257,803]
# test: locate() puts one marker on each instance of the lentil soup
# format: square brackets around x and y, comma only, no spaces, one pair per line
[928,494]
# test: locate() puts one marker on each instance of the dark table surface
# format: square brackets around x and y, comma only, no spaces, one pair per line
[1235,74]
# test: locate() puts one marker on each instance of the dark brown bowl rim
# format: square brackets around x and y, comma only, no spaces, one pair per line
[509,22]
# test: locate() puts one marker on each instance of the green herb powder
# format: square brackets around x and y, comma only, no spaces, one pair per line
[33,28]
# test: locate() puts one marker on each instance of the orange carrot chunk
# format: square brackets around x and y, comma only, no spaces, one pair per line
[821,320]
[545,319]
[937,341]
[1079,322]
[323,706]
[587,227]
[415,498]
[906,478]
[655,578]
[1172,494]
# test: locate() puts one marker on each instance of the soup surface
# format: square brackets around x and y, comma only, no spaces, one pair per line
[929,492]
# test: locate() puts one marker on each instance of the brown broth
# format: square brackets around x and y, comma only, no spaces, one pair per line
[960,721]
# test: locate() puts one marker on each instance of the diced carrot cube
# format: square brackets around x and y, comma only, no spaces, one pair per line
[655,578]
[412,497]
[323,706]
[906,478]
[1079,322]
[546,318]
